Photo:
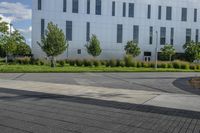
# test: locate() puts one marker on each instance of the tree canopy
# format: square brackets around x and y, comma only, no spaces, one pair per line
[168,51]
[192,51]
[3,26]
[93,47]
[132,49]
[54,42]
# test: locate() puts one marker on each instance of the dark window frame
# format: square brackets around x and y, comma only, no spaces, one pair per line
[159,12]
[64,5]
[162,35]
[119,33]
[131,12]
[168,13]
[184,14]
[88,6]
[113,8]
[75,6]
[39,4]
[69,30]
[124,9]
[98,7]
[136,32]
[149,12]
[151,35]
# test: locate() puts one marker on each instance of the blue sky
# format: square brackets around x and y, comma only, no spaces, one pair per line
[18,12]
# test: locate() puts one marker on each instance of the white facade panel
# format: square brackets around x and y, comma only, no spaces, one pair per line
[105,25]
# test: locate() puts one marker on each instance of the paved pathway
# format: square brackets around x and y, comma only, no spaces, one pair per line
[162,82]
[36,107]
[143,103]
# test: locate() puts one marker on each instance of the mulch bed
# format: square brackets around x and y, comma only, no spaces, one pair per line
[195,82]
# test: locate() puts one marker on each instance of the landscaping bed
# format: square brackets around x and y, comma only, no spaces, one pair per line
[195,82]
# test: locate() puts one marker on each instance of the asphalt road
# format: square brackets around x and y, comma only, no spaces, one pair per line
[160,82]
[33,112]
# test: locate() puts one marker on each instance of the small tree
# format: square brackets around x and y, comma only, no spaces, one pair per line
[168,51]
[53,43]
[192,51]
[93,47]
[132,49]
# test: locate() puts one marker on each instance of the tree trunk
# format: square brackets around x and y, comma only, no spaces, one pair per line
[170,58]
[53,62]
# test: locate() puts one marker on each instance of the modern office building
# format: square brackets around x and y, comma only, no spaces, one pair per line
[148,22]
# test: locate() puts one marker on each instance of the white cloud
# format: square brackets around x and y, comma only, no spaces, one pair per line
[14,11]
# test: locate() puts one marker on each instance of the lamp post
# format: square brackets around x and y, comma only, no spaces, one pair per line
[10,28]
[156,51]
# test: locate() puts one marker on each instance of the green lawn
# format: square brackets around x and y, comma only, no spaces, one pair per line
[68,69]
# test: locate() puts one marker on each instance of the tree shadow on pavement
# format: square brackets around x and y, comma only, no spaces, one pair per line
[183,84]
[14,95]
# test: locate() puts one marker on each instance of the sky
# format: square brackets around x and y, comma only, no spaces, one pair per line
[18,13]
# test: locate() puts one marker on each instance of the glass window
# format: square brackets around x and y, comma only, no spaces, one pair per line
[169,13]
[162,35]
[172,36]
[151,35]
[188,35]
[64,5]
[79,51]
[88,31]
[136,33]
[124,9]
[69,30]
[184,14]
[113,8]
[131,10]
[197,36]
[195,15]
[42,27]
[39,4]
[75,6]
[119,33]
[88,6]
[149,12]
[159,12]
[98,7]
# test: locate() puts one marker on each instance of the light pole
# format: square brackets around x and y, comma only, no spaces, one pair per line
[10,28]
[156,51]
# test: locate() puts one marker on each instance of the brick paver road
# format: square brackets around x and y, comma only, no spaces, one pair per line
[32,112]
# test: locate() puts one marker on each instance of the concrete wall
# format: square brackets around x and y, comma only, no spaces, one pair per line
[105,25]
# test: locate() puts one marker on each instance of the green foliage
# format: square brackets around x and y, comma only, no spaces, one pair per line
[61,63]
[3,26]
[112,63]
[168,51]
[79,62]
[93,47]
[97,63]
[132,49]
[185,66]
[128,59]
[192,66]
[192,51]
[53,43]
[176,64]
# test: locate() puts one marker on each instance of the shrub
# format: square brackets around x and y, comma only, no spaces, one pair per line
[198,67]
[128,60]
[72,62]
[112,63]
[103,62]
[97,63]
[118,63]
[87,63]
[122,63]
[42,63]
[79,63]
[145,64]
[185,66]
[152,65]
[139,64]
[169,65]
[176,64]
[192,66]
[163,65]
[61,63]
[25,60]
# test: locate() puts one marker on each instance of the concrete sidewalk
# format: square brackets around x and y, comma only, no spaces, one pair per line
[160,99]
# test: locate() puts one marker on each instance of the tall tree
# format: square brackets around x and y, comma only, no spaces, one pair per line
[3,26]
[192,51]
[132,49]
[168,51]
[93,46]
[53,43]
